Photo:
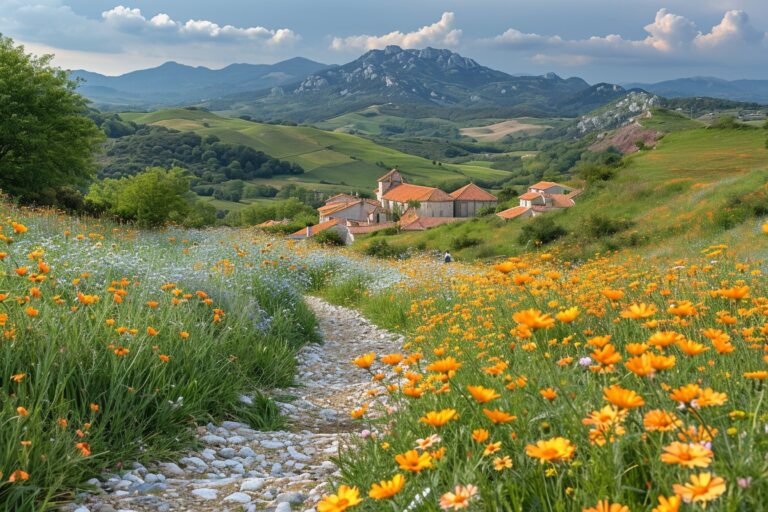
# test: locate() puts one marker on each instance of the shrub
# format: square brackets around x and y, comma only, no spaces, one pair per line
[600,226]
[329,237]
[463,241]
[540,230]
[381,249]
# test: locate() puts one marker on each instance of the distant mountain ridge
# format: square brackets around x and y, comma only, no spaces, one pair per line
[173,83]
[752,91]
[426,78]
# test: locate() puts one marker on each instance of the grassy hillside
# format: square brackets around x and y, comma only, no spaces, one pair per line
[330,158]
[697,185]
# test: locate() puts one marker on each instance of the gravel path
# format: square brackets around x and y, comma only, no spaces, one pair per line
[243,469]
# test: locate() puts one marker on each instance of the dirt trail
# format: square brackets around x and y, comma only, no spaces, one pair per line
[244,469]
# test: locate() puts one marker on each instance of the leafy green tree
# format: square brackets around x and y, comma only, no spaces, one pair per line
[540,230]
[46,139]
[151,198]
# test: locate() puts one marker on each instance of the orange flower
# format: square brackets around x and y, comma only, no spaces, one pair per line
[87,299]
[534,319]
[481,394]
[569,315]
[164,358]
[121,351]
[548,393]
[685,393]
[392,359]
[668,504]
[32,311]
[18,377]
[365,361]
[606,355]
[640,365]
[153,304]
[605,506]
[344,498]
[480,435]
[94,407]
[385,489]
[687,455]
[623,398]
[439,418]
[613,294]
[701,488]
[665,338]
[22,411]
[551,450]
[458,499]
[151,331]
[759,375]
[691,348]
[18,475]
[446,365]
[413,461]
[709,397]
[184,335]
[683,308]
[661,421]
[498,416]
[18,228]
[734,293]
[84,448]
[639,311]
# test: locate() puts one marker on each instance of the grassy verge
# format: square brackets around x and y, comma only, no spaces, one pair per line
[114,342]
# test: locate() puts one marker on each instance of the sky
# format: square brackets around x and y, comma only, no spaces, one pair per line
[617,41]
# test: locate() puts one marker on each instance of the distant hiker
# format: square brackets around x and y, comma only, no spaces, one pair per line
[447,257]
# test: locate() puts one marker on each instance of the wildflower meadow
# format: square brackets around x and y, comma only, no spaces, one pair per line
[617,384]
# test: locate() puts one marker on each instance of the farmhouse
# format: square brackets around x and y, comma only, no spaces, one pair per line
[417,208]
[541,197]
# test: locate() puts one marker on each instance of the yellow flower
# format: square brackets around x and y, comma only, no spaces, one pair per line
[534,319]
[502,463]
[481,394]
[344,498]
[569,315]
[498,416]
[668,504]
[605,506]
[639,311]
[387,488]
[413,461]
[365,361]
[439,418]
[688,455]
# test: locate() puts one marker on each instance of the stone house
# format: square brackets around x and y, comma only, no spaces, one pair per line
[541,197]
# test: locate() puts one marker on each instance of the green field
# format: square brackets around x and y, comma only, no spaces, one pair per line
[692,189]
[667,121]
[337,160]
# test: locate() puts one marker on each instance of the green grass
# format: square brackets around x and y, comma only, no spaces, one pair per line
[344,161]
[690,189]
[115,372]
[667,121]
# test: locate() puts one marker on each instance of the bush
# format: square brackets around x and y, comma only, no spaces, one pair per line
[540,230]
[463,241]
[599,226]
[381,249]
[329,237]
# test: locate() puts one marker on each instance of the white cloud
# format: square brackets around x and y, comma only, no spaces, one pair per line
[671,38]
[441,33]
[130,20]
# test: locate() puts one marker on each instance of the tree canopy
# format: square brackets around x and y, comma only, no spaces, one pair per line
[46,139]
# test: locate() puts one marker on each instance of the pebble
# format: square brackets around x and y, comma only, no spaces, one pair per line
[239,468]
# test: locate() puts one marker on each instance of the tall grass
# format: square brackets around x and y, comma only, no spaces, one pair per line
[113,343]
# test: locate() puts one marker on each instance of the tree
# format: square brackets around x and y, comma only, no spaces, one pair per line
[46,139]
[540,230]
[151,198]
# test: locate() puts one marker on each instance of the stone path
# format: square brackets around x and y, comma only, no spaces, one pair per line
[243,469]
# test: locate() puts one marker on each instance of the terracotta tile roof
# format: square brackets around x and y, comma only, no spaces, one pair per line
[513,212]
[561,200]
[341,198]
[336,207]
[389,175]
[423,223]
[544,185]
[270,223]
[361,230]
[472,192]
[529,196]
[317,228]
[407,192]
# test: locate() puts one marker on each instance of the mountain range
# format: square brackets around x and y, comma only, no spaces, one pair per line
[175,84]
[751,91]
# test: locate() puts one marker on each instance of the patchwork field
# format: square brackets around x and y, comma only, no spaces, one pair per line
[498,131]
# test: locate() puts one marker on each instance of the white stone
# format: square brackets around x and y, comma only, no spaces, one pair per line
[238,497]
[206,494]
[252,484]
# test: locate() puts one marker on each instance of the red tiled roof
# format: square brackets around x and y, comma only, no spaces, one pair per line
[423,223]
[472,192]
[407,192]
[561,200]
[529,196]
[544,185]
[361,230]
[341,198]
[336,207]
[513,212]
[389,175]
[270,223]
[317,228]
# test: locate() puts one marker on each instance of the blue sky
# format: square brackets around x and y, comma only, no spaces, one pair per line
[615,41]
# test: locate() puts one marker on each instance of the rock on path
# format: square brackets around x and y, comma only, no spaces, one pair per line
[240,468]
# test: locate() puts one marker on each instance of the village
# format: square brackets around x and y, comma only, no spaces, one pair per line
[409,207]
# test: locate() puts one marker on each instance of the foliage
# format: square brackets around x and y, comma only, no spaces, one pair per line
[291,209]
[540,230]
[151,198]
[209,160]
[463,241]
[46,140]
[600,226]
[380,248]
[329,237]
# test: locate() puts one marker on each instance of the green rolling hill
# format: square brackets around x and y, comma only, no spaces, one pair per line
[699,186]
[332,160]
